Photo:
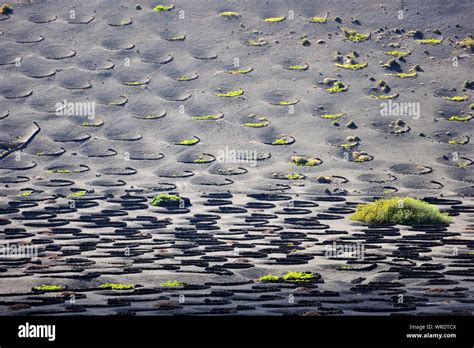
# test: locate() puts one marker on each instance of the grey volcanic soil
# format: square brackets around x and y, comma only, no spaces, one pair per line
[151,75]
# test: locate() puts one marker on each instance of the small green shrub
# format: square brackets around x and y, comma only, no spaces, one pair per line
[298,276]
[186,78]
[48,288]
[457,98]
[263,122]
[293,277]
[274,19]
[281,141]
[187,142]
[356,66]
[332,116]
[291,102]
[239,71]
[116,286]
[400,210]
[303,161]
[164,199]
[298,67]
[159,8]
[229,14]
[318,20]
[207,117]
[384,96]
[457,142]
[337,87]
[25,193]
[397,54]
[429,41]
[353,35]
[460,118]
[172,284]
[467,42]
[230,93]
[295,176]
[259,42]
[269,278]
[77,194]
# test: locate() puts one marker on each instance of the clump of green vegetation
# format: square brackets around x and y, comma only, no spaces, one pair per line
[430,41]
[259,42]
[239,71]
[269,278]
[159,8]
[164,199]
[304,161]
[48,288]
[230,94]
[350,66]
[176,38]
[467,42]
[460,118]
[293,277]
[411,73]
[353,35]
[298,67]
[348,145]
[229,14]
[188,142]
[207,117]
[298,277]
[281,141]
[135,83]
[91,124]
[457,142]
[25,194]
[201,159]
[361,156]
[274,19]
[119,102]
[318,19]
[400,210]
[77,194]
[186,78]
[398,54]
[384,96]
[60,171]
[295,176]
[291,102]
[172,284]
[116,286]
[471,106]
[332,116]
[337,87]
[458,98]
[263,122]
